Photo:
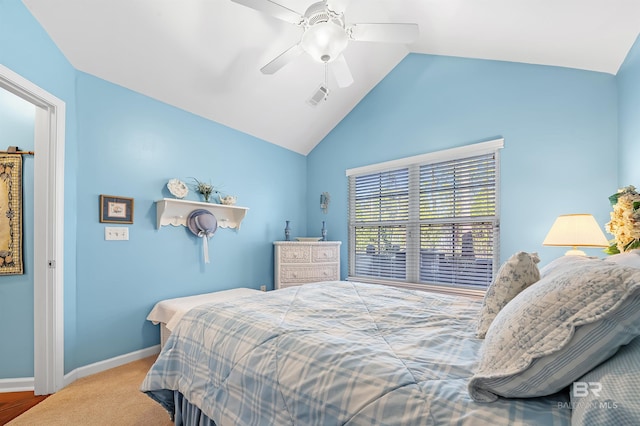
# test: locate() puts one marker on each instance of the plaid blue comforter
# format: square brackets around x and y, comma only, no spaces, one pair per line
[336,353]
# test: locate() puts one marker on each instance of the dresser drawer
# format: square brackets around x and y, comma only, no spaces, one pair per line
[295,254]
[300,274]
[325,253]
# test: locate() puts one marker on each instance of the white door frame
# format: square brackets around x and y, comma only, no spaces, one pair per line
[48,221]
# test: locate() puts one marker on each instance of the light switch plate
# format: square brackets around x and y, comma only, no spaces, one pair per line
[112,233]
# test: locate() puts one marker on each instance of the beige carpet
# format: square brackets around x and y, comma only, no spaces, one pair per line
[109,398]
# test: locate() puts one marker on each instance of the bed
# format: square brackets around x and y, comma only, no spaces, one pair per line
[168,312]
[348,353]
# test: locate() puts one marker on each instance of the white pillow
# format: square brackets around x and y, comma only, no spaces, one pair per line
[516,274]
[578,315]
[628,258]
[556,263]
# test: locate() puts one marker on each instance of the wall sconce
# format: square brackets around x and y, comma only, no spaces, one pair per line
[324,201]
[576,230]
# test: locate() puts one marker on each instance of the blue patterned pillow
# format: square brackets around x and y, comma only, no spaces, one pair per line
[608,394]
[516,274]
[578,315]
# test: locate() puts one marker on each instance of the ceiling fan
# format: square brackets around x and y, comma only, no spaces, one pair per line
[326,34]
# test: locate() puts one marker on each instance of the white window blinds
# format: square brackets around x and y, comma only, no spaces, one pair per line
[430,219]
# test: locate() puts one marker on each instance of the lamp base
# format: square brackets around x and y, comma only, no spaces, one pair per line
[575,252]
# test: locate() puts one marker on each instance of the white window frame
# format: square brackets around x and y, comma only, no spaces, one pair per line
[483,148]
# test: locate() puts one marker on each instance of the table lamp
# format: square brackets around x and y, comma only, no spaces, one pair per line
[575,230]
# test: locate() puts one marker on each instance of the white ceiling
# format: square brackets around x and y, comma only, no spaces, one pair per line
[204,56]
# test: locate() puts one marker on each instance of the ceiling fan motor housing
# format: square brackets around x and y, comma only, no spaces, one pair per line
[319,12]
[325,37]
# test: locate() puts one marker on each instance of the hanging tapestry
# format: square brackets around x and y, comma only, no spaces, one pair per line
[11,262]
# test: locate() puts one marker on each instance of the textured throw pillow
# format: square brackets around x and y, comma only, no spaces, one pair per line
[556,263]
[629,258]
[516,274]
[552,333]
[608,394]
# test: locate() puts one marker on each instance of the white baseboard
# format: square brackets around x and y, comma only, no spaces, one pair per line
[107,364]
[24,384]
[20,384]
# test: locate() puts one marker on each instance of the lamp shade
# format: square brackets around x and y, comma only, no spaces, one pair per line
[576,230]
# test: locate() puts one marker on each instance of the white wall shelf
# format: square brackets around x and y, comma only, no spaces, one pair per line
[171,211]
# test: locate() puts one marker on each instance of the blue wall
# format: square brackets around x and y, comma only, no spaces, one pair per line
[26,49]
[131,146]
[559,126]
[16,291]
[629,90]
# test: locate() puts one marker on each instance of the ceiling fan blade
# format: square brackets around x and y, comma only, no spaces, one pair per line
[386,33]
[283,59]
[341,72]
[274,9]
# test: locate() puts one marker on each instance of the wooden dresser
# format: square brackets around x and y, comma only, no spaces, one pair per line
[298,262]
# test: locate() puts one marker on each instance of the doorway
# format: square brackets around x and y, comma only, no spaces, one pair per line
[48,229]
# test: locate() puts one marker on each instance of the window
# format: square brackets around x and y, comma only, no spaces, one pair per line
[427,220]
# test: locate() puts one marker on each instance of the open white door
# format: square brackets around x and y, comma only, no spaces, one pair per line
[48,230]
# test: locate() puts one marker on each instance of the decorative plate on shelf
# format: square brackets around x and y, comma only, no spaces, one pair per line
[177,188]
[229,200]
[307,239]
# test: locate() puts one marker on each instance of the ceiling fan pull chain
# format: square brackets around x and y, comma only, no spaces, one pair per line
[326,74]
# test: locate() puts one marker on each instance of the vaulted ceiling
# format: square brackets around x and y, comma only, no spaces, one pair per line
[204,56]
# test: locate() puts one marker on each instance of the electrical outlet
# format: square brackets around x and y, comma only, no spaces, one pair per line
[263,288]
[112,233]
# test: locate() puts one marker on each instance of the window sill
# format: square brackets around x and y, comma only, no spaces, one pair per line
[434,288]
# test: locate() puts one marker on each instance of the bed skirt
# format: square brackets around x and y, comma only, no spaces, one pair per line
[187,414]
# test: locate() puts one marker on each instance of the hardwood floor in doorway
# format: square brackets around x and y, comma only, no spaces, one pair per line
[12,404]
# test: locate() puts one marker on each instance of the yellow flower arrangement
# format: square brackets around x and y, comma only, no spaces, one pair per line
[625,220]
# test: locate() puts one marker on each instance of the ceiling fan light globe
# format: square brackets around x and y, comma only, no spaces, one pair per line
[324,41]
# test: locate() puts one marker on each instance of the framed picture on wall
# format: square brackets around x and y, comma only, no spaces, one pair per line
[116,209]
